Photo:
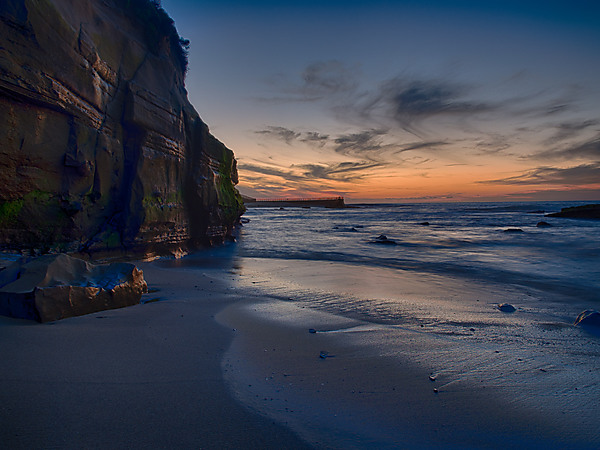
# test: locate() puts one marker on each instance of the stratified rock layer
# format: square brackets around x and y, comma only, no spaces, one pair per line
[54,287]
[100,149]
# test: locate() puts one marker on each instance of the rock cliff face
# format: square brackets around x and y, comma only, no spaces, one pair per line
[100,149]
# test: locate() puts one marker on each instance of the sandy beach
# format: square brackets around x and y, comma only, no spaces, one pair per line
[147,376]
[209,361]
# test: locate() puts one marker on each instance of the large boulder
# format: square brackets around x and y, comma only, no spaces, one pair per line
[54,287]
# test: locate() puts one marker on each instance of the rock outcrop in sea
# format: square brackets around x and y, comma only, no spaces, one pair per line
[579,212]
[100,149]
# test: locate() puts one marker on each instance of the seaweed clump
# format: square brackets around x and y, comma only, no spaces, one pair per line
[157,25]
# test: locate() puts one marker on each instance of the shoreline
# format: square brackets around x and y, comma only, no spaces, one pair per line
[373,389]
[146,376]
[220,355]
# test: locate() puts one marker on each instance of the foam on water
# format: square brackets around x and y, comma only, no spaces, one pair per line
[461,239]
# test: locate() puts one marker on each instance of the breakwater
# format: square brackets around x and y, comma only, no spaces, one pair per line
[327,202]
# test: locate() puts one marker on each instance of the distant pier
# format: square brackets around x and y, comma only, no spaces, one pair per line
[326,202]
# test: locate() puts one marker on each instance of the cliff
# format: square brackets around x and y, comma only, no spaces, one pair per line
[100,149]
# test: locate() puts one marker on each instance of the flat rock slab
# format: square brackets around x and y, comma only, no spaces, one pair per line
[54,287]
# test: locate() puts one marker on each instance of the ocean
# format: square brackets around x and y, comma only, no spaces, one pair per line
[467,240]
[424,301]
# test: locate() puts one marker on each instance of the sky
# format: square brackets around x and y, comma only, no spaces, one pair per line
[401,100]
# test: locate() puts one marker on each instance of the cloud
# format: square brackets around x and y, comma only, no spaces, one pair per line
[587,195]
[270,171]
[336,177]
[360,144]
[568,130]
[344,171]
[408,103]
[582,175]
[492,143]
[589,149]
[367,144]
[319,80]
[425,145]
[288,136]
[280,133]
[325,78]
[313,137]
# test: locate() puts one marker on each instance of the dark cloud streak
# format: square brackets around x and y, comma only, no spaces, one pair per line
[585,174]
[284,134]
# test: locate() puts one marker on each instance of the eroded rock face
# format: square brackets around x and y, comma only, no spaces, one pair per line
[54,287]
[100,149]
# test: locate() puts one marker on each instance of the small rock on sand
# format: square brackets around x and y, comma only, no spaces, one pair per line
[506,307]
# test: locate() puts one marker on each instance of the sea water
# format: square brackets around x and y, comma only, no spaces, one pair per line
[496,242]
[429,298]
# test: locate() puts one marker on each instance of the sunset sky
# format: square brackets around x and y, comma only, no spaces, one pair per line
[404,100]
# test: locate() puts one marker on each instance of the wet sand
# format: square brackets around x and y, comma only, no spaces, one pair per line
[467,376]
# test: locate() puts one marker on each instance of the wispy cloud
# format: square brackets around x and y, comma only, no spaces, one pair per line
[582,175]
[280,133]
[410,102]
[315,138]
[371,144]
[570,129]
[325,78]
[424,145]
[344,171]
[269,170]
[368,142]
[589,149]
[320,80]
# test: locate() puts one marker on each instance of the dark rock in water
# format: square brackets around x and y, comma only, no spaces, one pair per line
[579,212]
[244,220]
[101,150]
[424,223]
[347,230]
[383,239]
[589,318]
[54,287]
[543,224]
[506,307]
[513,230]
